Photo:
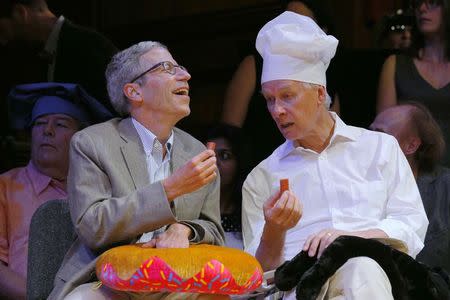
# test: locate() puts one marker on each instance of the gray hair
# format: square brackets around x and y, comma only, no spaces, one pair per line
[308,85]
[125,66]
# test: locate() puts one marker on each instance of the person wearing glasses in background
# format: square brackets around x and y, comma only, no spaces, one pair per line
[423,74]
[132,179]
[395,31]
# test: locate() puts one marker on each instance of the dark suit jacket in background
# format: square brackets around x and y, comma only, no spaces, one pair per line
[82,57]
[112,202]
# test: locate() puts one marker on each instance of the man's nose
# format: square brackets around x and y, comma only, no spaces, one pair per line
[406,34]
[278,108]
[49,129]
[423,6]
[183,74]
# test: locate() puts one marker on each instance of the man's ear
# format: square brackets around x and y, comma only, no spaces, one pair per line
[20,13]
[321,95]
[133,92]
[412,145]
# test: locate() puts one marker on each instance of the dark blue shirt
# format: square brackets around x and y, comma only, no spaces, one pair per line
[434,188]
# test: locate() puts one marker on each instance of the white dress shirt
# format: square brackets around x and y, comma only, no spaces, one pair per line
[157,170]
[360,181]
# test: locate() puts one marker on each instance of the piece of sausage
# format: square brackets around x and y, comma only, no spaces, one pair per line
[284,185]
[211,145]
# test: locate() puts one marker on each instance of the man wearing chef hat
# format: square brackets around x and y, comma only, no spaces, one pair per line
[343,180]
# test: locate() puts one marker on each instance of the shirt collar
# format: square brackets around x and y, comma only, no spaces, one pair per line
[39,181]
[52,41]
[148,138]
[342,132]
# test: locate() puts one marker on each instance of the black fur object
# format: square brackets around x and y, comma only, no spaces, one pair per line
[409,278]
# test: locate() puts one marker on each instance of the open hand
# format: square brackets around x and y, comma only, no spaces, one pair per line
[196,173]
[319,241]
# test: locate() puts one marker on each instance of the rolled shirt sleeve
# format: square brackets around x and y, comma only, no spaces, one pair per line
[405,217]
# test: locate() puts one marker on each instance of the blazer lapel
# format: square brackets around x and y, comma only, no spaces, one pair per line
[180,156]
[133,153]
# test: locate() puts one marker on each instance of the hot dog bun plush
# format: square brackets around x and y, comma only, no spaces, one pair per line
[197,269]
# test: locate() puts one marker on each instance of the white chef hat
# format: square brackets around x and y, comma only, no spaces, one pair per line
[294,47]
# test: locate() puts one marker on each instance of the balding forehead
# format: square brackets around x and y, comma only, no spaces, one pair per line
[392,120]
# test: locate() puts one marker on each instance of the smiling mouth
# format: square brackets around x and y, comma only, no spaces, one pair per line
[182,92]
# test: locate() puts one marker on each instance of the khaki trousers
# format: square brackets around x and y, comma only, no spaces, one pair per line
[87,292]
[359,278]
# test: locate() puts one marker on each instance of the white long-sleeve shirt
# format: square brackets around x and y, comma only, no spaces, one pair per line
[360,181]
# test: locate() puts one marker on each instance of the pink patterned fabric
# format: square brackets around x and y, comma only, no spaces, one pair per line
[155,275]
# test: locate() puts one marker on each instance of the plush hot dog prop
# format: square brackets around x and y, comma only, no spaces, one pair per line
[197,269]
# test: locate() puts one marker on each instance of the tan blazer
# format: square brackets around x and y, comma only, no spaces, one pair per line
[112,202]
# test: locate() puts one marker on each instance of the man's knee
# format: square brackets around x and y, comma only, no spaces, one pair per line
[364,267]
[358,278]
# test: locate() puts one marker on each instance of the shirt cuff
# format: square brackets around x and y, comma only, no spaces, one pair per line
[397,230]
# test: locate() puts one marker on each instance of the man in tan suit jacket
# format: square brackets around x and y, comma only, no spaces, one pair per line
[119,190]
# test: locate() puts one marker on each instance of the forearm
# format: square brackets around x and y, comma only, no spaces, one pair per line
[12,285]
[239,93]
[387,94]
[101,221]
[270,249]
[371,234]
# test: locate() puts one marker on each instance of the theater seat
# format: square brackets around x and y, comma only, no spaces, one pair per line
[51,234]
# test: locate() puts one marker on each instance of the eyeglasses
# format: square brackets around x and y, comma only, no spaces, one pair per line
[167,66]
[399,28]
[430,4]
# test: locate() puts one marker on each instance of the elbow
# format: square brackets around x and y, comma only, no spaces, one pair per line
[88,237]
[92,236]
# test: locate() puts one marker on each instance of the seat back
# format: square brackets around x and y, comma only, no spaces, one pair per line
[51,235]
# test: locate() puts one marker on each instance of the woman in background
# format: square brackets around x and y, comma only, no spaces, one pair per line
[229,153]
[424,74]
